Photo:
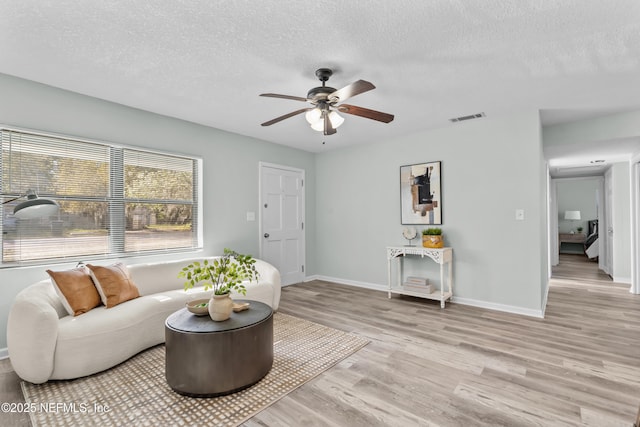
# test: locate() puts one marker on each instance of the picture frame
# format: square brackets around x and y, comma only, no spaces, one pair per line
[421,194]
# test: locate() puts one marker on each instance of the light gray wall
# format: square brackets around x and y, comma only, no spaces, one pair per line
[606,128]
[490,168]
[577,194]
[230,166]
[621,223]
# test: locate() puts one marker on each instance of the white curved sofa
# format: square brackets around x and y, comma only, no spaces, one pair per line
[46,343]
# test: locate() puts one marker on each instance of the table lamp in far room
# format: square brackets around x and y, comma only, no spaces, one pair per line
[572,216]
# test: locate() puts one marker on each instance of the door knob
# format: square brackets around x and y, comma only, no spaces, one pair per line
[266,235]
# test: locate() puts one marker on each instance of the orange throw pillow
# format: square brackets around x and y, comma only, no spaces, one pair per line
[113,283]
[76,290]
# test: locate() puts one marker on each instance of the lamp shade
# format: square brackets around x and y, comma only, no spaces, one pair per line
[313,116]
[335,119]
[35,207]
[572,215]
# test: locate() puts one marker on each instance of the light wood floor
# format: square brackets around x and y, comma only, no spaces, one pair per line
[464,366]
[579,267]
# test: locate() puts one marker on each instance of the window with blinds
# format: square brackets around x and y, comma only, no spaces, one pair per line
[113,201]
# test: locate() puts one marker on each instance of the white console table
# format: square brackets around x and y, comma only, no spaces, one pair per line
[442,256]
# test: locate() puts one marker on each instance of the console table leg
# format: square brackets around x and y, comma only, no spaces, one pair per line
[442,285]
[389,276]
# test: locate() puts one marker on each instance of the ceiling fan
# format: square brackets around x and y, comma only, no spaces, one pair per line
[323,116]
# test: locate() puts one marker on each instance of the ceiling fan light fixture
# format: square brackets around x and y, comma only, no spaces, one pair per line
[336,119]
[318,126]
[323,115]
[313,116]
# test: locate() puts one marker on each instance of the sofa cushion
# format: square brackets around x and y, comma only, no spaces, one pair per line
[158,277]
[76,290]
[113,283]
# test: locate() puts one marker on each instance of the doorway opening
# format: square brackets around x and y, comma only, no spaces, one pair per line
[579,268]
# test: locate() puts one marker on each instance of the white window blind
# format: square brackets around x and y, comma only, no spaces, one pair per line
[113,200]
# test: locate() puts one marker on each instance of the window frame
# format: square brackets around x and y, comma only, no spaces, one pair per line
[116,201]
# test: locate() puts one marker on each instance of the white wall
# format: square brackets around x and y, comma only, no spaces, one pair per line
[599,129]
[621,223]
[577,194]
[230,166]
[490,168]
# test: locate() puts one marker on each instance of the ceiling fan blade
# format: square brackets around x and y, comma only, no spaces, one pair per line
[286,116]
[365,112]
[353,89]
[328,127]
[276,95]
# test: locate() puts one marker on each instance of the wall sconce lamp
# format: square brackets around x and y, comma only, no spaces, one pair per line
[34,206]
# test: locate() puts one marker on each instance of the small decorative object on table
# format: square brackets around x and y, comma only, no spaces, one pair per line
[409,233]
[199,307]
[223,274]
[432,238]
[240,306]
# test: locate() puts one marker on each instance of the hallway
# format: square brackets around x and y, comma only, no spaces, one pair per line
[579,268]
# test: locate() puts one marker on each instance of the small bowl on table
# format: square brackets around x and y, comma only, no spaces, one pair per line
[199,307]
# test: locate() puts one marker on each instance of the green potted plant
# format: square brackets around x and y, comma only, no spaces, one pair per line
[580,229]
[223,274]
[432,238]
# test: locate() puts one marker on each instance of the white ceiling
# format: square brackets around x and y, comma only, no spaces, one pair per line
[207,61]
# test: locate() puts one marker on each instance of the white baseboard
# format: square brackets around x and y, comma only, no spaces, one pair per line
[545,299]
[355,283]
[4,353]
[499,307]
[464,301]
[626,280]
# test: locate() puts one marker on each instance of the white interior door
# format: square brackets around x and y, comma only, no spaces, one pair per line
[282,220]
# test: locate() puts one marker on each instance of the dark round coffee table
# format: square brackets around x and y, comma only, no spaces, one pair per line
[206,358]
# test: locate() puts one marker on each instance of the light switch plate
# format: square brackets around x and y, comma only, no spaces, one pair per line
[251,216]
[520,214]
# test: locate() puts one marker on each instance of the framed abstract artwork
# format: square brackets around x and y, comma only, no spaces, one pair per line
[420,194]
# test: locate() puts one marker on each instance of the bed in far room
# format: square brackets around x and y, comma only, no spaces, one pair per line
[591,245]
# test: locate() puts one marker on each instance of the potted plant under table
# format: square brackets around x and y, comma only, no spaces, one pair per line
[223,275]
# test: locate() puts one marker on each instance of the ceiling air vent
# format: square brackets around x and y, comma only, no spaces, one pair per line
[463,118]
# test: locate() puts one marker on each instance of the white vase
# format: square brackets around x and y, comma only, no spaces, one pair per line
[220,307]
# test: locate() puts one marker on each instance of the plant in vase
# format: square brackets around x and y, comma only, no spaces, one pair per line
[580,229]
[432,238]
[223,274]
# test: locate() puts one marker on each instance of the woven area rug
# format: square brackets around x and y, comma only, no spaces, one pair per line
[136,392]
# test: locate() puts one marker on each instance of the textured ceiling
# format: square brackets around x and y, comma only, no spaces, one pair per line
[207,61]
